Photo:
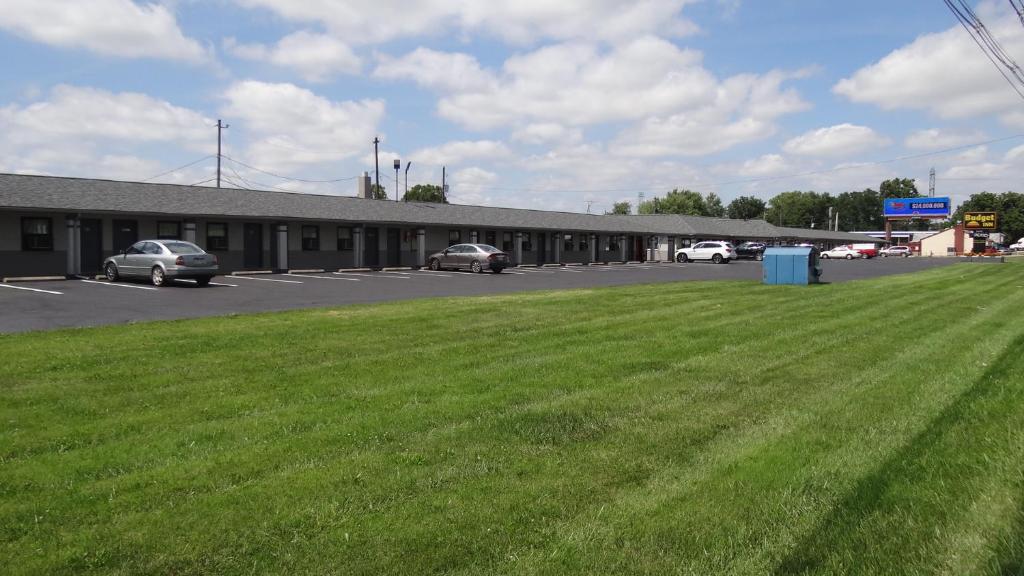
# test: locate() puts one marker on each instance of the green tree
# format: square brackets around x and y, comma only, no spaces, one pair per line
[425,193]
[1009,209]
[683,202]
[713,206]
[746,208]
[619,208]
[378,192]
[859,210]
[898,188]
[799,209]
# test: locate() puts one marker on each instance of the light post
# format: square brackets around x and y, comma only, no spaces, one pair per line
[398,166]
[407,164]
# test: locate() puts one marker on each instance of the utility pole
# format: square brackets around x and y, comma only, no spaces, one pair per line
[589,202]
[639,201]
[931,183]
[444,185]
[829,226]
[376,163]
[398,166]
[220,128]
[407,164]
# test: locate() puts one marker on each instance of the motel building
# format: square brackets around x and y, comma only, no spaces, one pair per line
[55,226]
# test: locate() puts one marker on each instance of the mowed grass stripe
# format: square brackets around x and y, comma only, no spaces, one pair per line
[426,462]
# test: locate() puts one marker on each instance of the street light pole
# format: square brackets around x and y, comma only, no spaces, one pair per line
[376,163]
[407,164]
[398,166]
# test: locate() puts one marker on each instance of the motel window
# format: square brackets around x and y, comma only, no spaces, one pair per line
[613,243]
[310,238]
[584,242]
[506,242]
[567,242]
[216,236]
[454,237]
[344,239]
[168,230]
[491,238]
[527,244]
[37,234]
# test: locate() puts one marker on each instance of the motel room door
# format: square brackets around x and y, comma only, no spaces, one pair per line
[371,247]
[394,247]
[252,247]
[542,248]
[92,245]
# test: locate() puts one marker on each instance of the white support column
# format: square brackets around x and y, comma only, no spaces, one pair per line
[282,247]
[72,245]
[357,247]
[623,248]
[519,248]
[421,247]
[595,247]
[556,247]
[189,232]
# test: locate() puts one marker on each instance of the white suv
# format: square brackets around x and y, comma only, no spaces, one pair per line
[717,252]
[903,251]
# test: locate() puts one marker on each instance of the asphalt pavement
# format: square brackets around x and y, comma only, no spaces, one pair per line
[48,305]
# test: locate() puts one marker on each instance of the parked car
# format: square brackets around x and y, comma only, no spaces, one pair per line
[847,252]
[717,252]
[475,257]
[903,251]
[868,249]
[1018,247]
[753,250]
[162,260]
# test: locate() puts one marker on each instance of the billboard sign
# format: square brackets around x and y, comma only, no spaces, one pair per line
[980,220]
[916,208]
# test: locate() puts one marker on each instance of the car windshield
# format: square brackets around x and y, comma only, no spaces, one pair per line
[487,249]
[180,247]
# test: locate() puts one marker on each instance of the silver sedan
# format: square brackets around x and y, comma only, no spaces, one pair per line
[475,257]
[161,260]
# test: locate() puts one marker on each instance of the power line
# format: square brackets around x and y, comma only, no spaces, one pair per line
[193,163]
[201,182]
[1018,7]
[988,44]
[307,181]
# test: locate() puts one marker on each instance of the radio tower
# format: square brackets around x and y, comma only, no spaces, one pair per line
[639,201]
[931,183]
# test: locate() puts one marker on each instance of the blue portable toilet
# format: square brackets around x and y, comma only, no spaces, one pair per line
[791,265]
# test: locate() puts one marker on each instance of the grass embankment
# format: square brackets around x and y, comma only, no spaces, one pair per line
[870,427]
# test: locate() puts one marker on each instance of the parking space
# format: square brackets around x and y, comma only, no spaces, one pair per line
[55,304]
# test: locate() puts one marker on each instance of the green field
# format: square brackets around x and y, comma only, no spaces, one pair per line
[688,428]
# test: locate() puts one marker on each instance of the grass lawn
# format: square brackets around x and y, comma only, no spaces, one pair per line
[689,428]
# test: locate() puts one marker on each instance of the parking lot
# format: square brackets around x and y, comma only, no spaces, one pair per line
[73,303]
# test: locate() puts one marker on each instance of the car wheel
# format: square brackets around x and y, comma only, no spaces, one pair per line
[825,256]
[906,255]
[475,267]
[849,256]
[435,264]
[717,258]
[111,272]
[204,281]
[759,256]
[157,276]
[681,258]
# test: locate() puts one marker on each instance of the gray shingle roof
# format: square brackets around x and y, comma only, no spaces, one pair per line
[108,196]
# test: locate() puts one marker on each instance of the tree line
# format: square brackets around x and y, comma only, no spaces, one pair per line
[857,210]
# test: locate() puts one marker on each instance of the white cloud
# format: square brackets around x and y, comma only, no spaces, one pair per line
[469,185]
[767,165]
[937,139]
[838,140]
[944,73]
[291,127]
[110,27]
[436,70]
[1015,154]
[516,21]
[547,133]
[315,57]
[77,113]
[461,151]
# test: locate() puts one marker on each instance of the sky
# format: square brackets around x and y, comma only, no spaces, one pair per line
[569,105]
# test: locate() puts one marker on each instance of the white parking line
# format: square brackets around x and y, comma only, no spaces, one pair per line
[535,271]
[119,285]
[266,279]
[433,273]
[369,275]
[323,277]
[190,281]
[31,289]
[507,271]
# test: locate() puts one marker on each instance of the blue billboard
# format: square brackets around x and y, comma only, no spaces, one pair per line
[916,208]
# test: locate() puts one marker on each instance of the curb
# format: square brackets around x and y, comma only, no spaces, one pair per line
[310,271]
[397,268]
[32,278]
[354,270]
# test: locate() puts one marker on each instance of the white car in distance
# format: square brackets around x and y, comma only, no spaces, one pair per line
[717,252]
[842,252]
[903,251]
